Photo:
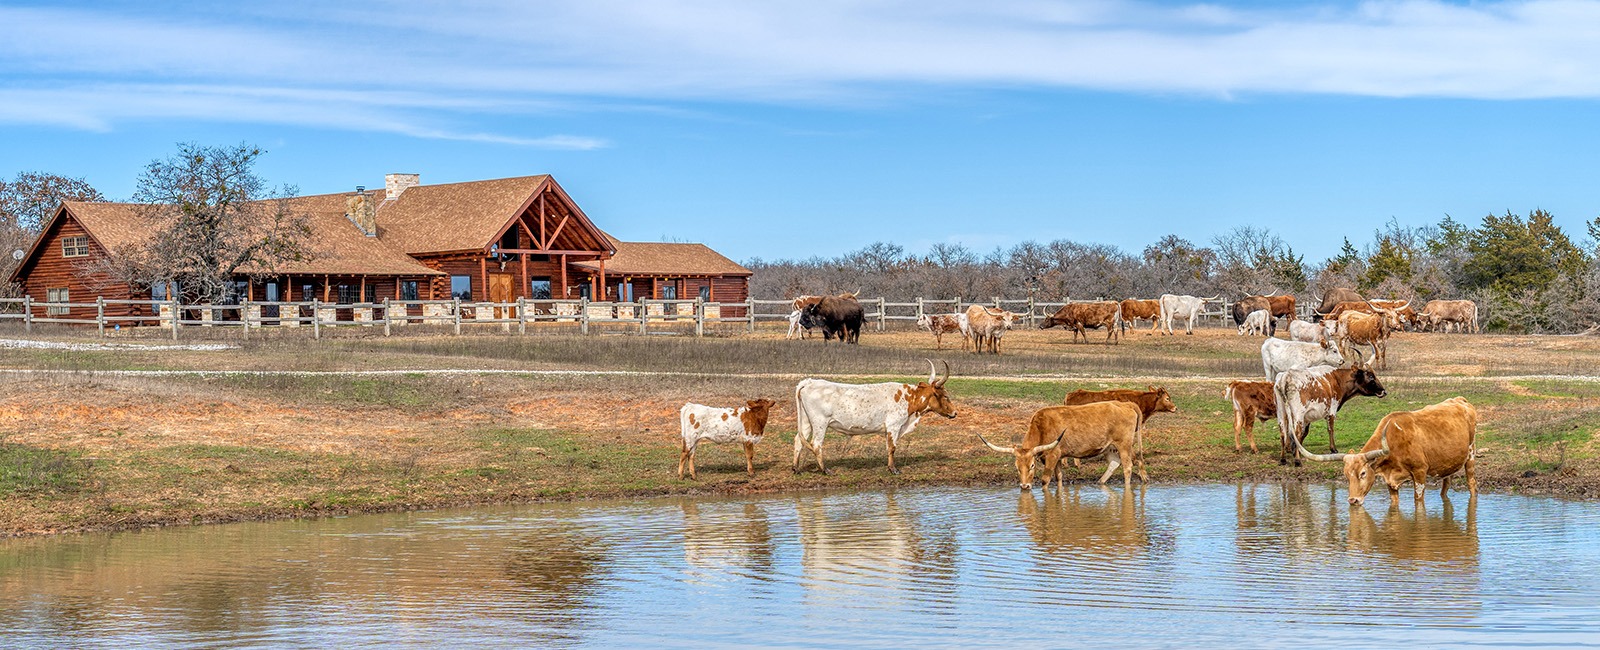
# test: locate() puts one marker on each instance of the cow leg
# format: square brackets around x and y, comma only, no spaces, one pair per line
[1472,479]
[1126,455]
[750,458]
[892,468]
[817,451]
[1444,487]
[1238,426]
[799,449]
[1332,447]
[1111,466]
[683,456]
[1419,484]
[692,475]
[1144,477]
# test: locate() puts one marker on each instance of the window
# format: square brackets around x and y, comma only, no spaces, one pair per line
[372,294]
[705,293]
[586,292]
[669,291]
[308,292]
[461,287]
[408,290]
[347,294]
[539,289]
[625,292]
[74,246]
[164,291]
[56,295]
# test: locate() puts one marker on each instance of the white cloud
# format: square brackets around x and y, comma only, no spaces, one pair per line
[403,67]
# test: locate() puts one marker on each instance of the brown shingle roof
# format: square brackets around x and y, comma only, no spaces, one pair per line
[652,258]
[453,216]
[338,247]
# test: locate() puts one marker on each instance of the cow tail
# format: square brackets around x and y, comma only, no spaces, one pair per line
[1281,396]
[801,421]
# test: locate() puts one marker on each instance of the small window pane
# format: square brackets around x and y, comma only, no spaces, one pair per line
[461,287]
[347,294]
[408,290]
[74,246]
[669,291]
[539,289]
[705,293]
[56,295]
[372,294]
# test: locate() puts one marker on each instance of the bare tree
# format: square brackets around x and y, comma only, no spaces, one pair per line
[26,203]
[212,219]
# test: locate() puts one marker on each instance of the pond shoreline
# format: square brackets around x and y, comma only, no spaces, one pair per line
[1519,487]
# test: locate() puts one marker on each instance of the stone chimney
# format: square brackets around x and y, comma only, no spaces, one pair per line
[395,184]
[362,210]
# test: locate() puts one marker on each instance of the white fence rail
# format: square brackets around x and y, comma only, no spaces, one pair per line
[583,314]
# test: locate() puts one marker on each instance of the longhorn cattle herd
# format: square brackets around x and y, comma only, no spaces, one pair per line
[1308,377]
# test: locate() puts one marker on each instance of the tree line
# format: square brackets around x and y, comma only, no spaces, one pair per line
[1525,272]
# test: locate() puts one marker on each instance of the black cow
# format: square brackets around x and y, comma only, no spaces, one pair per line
[840,316]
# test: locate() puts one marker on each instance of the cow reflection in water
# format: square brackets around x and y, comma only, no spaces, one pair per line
[865,550]
[1068,523]
[1419,536]
[720,537]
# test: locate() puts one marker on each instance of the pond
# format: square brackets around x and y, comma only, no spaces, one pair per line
[1244,565]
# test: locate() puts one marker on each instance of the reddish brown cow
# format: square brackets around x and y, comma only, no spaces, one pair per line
[1252,402]
[1085,431]
[1133,310]
[1437,440]
[1086,315]
[1151,401]
[1281,306]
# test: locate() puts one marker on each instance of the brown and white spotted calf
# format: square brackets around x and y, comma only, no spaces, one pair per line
[745,425]
[1253,402]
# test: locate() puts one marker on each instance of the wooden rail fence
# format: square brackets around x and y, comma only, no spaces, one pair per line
[583,314]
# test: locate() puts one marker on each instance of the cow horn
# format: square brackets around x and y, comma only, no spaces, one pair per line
[946,376]
[932,374]
[1321,458]
[1382,450]
[1044,448]
[1003,450]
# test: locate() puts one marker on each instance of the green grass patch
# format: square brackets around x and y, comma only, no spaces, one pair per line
[36,472]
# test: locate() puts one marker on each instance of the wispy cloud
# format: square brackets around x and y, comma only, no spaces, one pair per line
[404,67]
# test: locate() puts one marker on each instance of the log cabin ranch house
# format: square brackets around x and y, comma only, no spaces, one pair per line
[479,241]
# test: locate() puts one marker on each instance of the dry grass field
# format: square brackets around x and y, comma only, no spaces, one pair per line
[128,437]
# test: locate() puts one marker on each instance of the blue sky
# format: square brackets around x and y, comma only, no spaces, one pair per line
[793,129]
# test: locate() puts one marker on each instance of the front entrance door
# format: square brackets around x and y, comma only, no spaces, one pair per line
[500,285]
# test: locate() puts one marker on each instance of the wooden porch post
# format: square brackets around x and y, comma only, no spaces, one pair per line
[362,296]
[483,272]
[525,285]
[563,293]
[327,285]
[602,292]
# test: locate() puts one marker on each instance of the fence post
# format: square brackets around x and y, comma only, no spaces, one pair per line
[522,316]
[644,316]
[881,313]
[316,319]
[583,315]
[997,303]
[919,309]
[1031,311]
[27,313]
[750,312]
[699,319]
[100,315]
[386,316]
[244,317]
[176,316]
[457,311]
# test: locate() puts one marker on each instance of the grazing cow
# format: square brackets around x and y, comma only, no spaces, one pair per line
[1084,431]
[745,425]
[1252,402]
[1460,313]
[1335,296]
[1437,440]
[839,316]
[940,325]
[800,324]
[1355,328]
[1248,305]
[1278,355]
[889,408]
[1361,307]
[1150,401]
[1133,310]
[987,325]
[1186,307]
[1086,315]
[1309,332]
[1259,322]
[1316,393]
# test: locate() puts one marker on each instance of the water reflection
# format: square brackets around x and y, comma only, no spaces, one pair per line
[949,566]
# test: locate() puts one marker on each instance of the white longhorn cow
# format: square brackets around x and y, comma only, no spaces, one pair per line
[889,408]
